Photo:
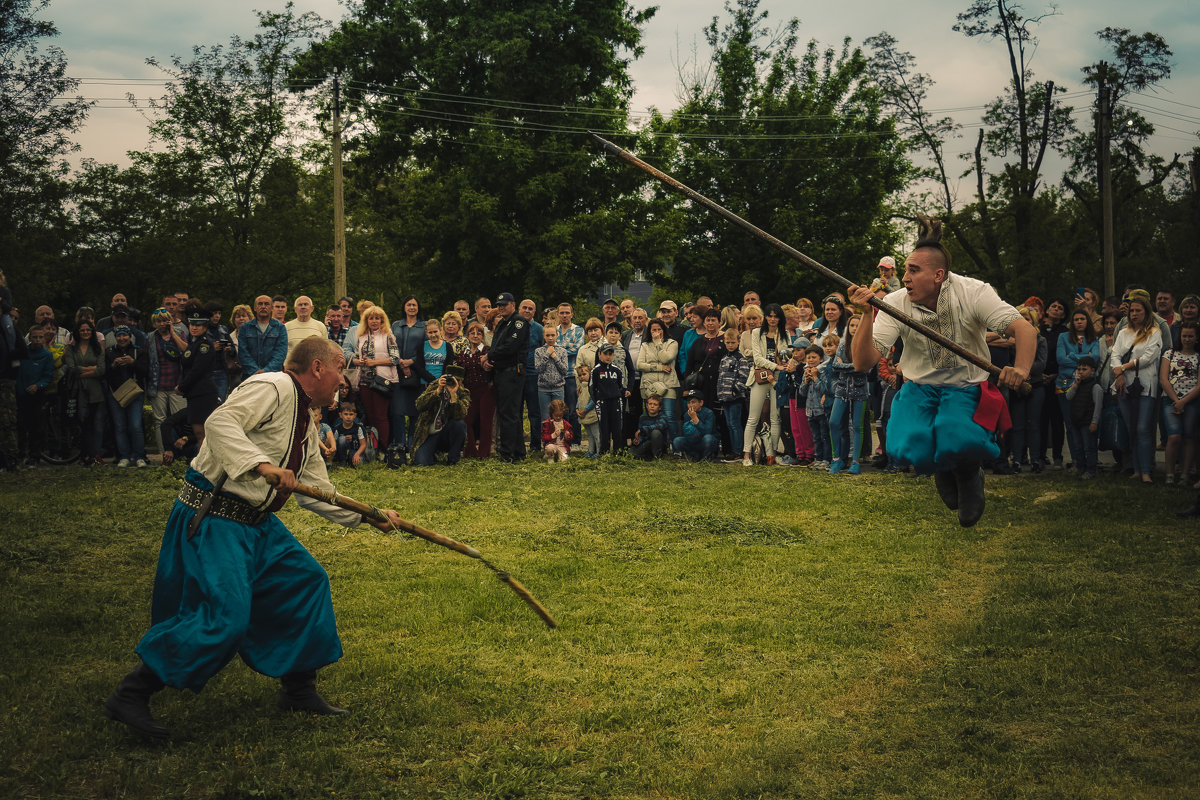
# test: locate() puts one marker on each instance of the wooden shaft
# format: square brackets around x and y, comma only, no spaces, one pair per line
[796,255]
[373,513]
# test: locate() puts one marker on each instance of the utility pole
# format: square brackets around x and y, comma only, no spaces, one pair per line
[1103,137]
[339,212]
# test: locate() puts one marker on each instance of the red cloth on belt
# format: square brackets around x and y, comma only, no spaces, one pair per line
[992,411]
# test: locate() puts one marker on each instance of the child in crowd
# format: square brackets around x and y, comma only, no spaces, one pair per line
[612,335]
[349,437]
[35,373]
[802,439]
[324,439]
[556,432]
[732,392]
[1085,398]
[699,440]
[830,345]
[607,388]
[550,364]
[812,394]
[586,409]
[652,434]
[850,394]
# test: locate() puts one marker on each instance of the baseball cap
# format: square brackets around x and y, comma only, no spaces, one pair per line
[505,297]
[888,262]
[610,300]
[688,394]
[669,305]
[607,348]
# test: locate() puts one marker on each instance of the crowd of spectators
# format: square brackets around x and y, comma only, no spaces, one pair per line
[750,383]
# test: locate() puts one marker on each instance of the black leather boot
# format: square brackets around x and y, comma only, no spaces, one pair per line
[970,493]
[299,693]
[947,488]
[397,456]
[130,702]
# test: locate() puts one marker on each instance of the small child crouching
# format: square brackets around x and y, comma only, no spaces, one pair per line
[556,433]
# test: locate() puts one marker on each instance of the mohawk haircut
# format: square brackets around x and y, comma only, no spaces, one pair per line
[929,234]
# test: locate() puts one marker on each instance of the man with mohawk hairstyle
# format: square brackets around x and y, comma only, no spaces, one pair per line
[945,417]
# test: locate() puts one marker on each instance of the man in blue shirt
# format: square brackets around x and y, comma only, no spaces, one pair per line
[262,342]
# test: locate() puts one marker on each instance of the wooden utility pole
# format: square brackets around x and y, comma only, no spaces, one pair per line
[339,213]
[1103,137]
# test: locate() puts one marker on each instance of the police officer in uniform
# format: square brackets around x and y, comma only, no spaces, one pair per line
[198,362]
[510,344]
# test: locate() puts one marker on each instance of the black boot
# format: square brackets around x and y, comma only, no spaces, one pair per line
[947,488]
[1194,511]
[299,693]
[130,702]
[970,493]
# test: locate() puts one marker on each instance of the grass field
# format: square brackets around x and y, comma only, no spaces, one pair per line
[724,633]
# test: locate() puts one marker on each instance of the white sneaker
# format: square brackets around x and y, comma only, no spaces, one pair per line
[141,462]
[563,456]
[746,462]
[124,462]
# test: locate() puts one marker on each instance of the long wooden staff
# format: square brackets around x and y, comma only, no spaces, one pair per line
[796,255]
[373,513]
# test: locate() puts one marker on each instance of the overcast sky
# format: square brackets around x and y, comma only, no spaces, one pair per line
[107,43]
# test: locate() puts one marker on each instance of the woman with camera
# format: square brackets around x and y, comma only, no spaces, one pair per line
[1135,367]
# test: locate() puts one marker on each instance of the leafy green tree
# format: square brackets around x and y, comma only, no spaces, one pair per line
[795,142]
[1021,127]
[36,126]
[1140,62]
[473,142]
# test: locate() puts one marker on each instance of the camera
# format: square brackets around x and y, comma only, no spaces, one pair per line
[451,381]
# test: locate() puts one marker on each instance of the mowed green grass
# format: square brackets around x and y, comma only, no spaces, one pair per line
[723,632]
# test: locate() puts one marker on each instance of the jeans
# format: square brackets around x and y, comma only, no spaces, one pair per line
[1088,441]
[1074,443]
[1180,424]
[449,440]
[127,423]
[1139,420]
[671,412]
[534,409]
[544,399]
[347,446]
[733,421]
[698,448]
[847,441]
[819,425]
[651,447]
[1026,415]
[92,419]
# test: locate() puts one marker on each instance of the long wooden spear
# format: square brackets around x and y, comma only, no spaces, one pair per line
[796,255]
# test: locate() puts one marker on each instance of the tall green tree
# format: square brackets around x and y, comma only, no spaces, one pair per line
[1140,62]
[227,121]
[474,145]
[36,126]
[1021,126]
[795,141]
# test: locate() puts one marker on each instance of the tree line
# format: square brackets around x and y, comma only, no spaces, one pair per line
[468,162]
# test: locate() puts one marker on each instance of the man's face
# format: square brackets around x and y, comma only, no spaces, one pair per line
[333,317]
[328,374]
[924,273]
[170,303]
[304,307]
[1164,303]
[527,309]
[668,314]
[118,300]
[262,308]
[463,308]
[120,318]
[565,313]
[503,309]
[346,306]
[279,310]
[483,307]
[638,320]
[751,298]
[610,311]
[42,315]
[627,308]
